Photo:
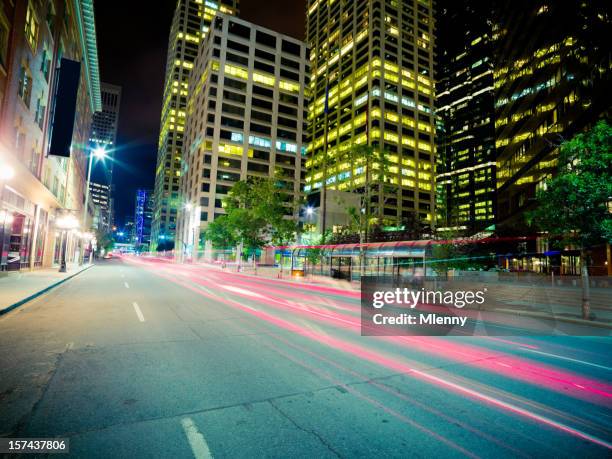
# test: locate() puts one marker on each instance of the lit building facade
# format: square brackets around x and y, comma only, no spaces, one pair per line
[191,21]
[245,119]
[34,37]
[100,195]
[465,108]
[552,80]
[143,215]
[105,123]
[372,83]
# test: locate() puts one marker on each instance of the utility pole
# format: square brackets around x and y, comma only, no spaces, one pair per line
[324,184]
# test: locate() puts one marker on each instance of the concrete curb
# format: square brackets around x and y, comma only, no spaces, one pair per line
[541,315]
[41,292]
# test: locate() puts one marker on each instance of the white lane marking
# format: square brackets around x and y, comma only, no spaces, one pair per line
[198,444]
[504,364]
[242,291]
[249,307]
[568,359]
[138,312]
[123,276]
[126,285]
[69,345]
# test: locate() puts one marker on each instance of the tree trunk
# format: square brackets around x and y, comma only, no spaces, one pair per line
[584,277]
[239,256]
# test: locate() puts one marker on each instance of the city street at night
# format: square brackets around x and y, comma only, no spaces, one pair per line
[141,357]
[305,229]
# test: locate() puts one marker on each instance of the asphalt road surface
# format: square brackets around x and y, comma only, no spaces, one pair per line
[149,359]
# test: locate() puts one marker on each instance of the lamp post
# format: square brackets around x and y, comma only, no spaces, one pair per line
[187,207]
[99,153]
[65,223]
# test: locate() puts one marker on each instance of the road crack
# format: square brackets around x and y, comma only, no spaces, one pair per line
[19,429]
[303,429]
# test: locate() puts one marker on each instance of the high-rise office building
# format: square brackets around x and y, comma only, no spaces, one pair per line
[104,126]
[552,80]
[465,109]
[245,118]
[101,197]
[372,83]
[105,122]
[142,218]
[190,23]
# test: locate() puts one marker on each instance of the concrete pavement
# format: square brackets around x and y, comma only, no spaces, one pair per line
[157,360]
[19,287]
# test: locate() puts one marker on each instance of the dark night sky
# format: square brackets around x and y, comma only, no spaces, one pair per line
[132,44]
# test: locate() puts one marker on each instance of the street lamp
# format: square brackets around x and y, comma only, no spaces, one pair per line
[99,153]
[65,223]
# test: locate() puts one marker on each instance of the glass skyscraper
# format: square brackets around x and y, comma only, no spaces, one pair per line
[372,84]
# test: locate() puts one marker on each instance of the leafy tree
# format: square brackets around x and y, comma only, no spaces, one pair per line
[574,205]
[220,234]
[104,241]
[255,214]
[314,254]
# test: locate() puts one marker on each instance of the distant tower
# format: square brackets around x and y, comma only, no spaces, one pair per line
[142,218]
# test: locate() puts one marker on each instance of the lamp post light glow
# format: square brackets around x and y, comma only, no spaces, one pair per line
[6,172]
[99,152]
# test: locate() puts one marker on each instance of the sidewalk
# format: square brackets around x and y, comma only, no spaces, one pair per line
[19,287]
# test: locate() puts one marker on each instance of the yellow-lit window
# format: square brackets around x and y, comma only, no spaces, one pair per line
[31,26]
[230,149]
[259,78]
[391,116]
[236,71]
[391,137]
[293,87]
[424,146]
